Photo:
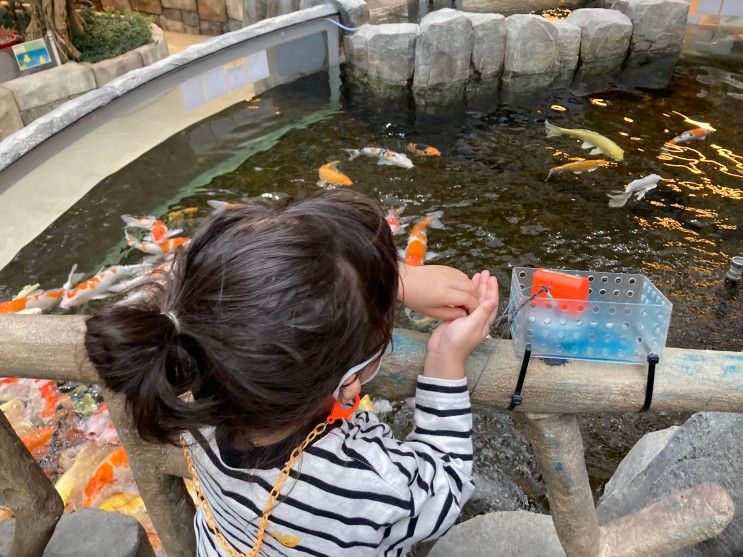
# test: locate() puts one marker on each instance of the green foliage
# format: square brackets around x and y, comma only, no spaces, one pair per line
[110,34]
[14,16]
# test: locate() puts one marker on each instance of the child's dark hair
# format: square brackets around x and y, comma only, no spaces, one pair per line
[274,302]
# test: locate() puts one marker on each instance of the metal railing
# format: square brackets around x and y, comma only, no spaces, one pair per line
[51,347]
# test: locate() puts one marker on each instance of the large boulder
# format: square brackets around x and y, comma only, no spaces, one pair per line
[356,46]
[354,13]
[506,534]
[443,49]
[658,25]
[89,533]
[568,50]
[530,64]
[708,448]
[390,53]
[605,34]
[10,115]
[489,48]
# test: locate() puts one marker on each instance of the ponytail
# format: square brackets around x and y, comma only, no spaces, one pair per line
[142,354]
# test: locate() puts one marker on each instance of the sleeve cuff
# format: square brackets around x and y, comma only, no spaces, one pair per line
[442,393]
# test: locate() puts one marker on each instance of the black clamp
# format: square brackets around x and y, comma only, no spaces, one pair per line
[516,399]
[653,360]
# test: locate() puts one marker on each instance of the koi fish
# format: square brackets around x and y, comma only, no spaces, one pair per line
[105,475]
[176,218]
[86,461]
[331,176]
[690,135]
[157,248]
[158,229]
[39,300]
[37,442]
[383,156]
[393,219]
[100,429]
[97,287]
[600,144]
[578,167]
[423,150]
[637,187]
[417,250]
[224,205]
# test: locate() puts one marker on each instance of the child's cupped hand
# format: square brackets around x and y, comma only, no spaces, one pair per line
[437,291]
[452,341]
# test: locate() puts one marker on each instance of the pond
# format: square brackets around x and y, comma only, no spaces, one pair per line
[498,209]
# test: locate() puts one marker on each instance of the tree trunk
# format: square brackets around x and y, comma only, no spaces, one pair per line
[61,20]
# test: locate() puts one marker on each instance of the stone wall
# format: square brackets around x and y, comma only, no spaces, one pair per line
[25,98]
[635,42]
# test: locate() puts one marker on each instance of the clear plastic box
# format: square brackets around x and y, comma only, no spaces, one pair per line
[625,318]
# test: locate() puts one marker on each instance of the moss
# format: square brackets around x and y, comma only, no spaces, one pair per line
[110,34]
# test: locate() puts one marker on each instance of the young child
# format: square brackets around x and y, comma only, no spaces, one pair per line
[274,315]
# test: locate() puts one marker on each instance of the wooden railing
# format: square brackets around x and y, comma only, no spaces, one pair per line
[51,347]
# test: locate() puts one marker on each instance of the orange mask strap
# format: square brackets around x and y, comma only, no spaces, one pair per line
[340,413]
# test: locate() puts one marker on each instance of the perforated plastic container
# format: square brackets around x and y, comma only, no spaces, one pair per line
[625,318]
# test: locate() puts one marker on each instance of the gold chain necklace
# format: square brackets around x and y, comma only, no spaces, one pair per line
[286,540]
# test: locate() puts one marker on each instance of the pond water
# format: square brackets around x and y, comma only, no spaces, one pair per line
[498,210]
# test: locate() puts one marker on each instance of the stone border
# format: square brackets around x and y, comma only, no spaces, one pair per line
[24,99]
[522,53]
[24,140]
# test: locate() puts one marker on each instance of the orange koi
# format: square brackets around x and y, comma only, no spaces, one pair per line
[423,150]
[157,248]
[50,394]
[224,205]
[158,229]
[416,252]
[97,287]
[690,135]
[105,475]
[177,217]
[331,176]
[40,299]
[577,167]
[38,440]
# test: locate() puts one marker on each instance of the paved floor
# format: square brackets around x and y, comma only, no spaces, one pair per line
[179,41]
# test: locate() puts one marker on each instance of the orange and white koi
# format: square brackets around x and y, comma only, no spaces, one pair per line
[393,219]
[383,156]
[105,475]
[100,429]
[224,205]
[578,167]
[157,248]
[690,135]
[331,176]
[158,229]
[423,150]
[37,441]
[39,300]
[417,252]
[97,287]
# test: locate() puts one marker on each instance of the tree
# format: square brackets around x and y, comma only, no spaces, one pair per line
[60,18]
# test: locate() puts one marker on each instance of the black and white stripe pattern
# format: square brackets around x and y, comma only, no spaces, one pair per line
[357,490]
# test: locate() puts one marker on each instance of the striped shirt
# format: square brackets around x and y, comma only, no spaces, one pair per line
[355,491]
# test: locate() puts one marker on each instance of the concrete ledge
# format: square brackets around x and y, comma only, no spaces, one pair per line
[10,114]
[107,70]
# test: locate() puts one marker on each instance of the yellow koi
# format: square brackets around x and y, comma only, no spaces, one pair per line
[600,144]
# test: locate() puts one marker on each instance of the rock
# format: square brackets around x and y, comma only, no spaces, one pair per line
[232,25]
[356,46]
[52,85]
[531,45]
[119,5]
[254,10]
[174,15]
[10,115]
[211,28]
[390,53]
[180,4]
[354,13]
[506,534]
[147,6]
[443,49]
[639,457]
[86,532]
[489,48]
[382,406]
[107,70]
[190,18]
[285,6]
[568,49]
[150,53]
[304,4]
[212,10]
[605,34]
[658,25]
[651,70]
[172,25]
[192,29]
[235,9]
[708,448]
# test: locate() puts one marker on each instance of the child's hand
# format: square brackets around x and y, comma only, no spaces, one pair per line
[437,291]
[452,341]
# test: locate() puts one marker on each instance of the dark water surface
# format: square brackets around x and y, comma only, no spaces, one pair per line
[498,210]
